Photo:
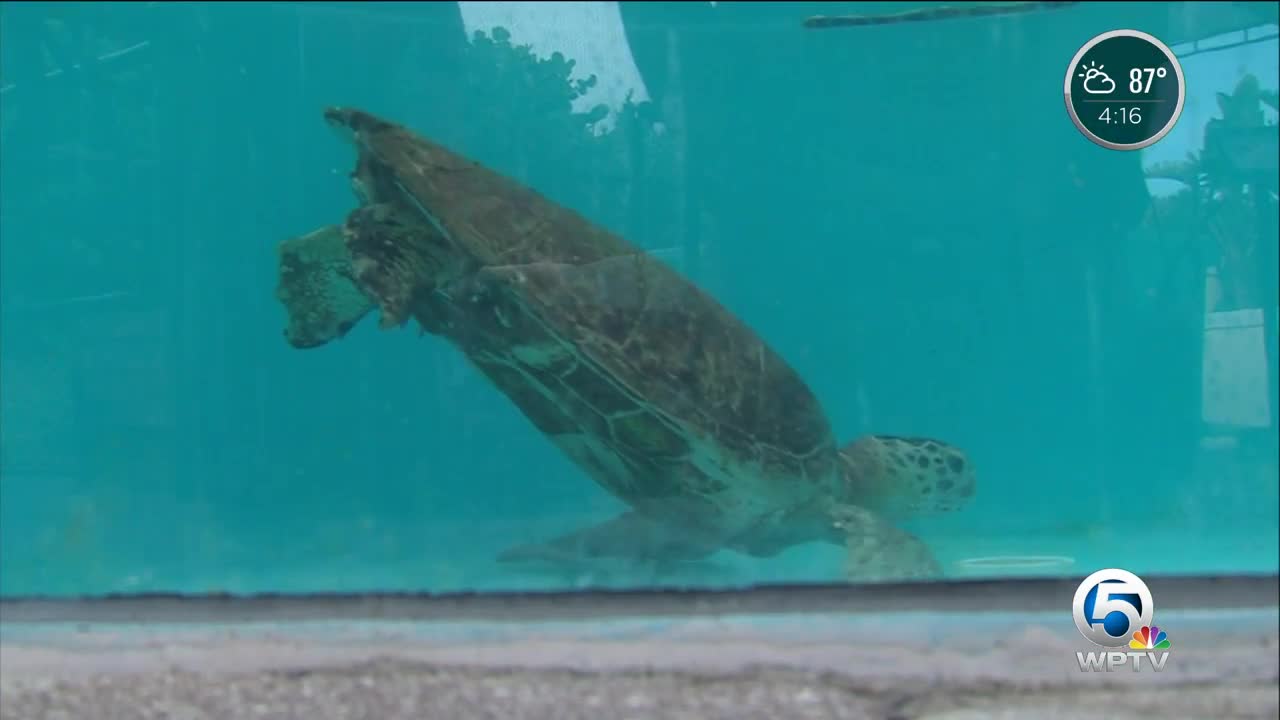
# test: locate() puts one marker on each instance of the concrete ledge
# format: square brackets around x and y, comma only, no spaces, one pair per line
[1223,665]
[686,657]
[392,690]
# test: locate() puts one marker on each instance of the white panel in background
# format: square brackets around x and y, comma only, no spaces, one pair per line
[1234,386]
[589,33]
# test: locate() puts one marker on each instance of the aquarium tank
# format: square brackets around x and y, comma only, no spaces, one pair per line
[893,360]
[507,297]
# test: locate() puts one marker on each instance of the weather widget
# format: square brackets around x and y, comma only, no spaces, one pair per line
[1124,90]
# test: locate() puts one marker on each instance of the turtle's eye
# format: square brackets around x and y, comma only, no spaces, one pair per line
[344,327]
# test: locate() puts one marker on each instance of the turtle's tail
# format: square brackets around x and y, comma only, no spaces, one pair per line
[902,476]
[395,260]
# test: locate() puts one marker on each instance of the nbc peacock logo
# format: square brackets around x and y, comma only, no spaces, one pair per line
[1150,638]
[1114,608]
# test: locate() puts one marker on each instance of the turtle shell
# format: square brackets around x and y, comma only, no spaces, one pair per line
[649,384]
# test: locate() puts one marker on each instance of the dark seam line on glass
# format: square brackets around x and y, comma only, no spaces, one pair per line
[961,596]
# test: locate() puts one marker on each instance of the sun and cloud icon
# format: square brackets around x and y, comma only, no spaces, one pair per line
[1096,82]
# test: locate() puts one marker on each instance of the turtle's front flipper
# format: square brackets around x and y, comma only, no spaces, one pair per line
[629,539]
[880,552]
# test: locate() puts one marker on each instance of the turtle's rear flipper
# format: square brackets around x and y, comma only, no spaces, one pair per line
[630,540]
[880,552]
[318,289]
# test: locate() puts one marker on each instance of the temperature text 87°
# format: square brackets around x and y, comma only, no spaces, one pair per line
[1136,84]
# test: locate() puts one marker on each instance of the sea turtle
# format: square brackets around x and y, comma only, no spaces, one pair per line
[655,390]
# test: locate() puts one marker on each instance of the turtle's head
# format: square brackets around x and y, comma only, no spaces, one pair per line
[318,290]
[906,476]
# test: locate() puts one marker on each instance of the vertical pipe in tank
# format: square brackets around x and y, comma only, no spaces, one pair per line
[677,129]
[1097,403]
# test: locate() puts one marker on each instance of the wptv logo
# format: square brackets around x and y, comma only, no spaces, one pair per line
[1113,610]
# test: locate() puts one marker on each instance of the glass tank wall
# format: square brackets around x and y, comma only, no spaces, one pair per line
[476,296]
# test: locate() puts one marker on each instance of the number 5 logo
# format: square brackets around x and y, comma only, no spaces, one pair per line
[1110,605]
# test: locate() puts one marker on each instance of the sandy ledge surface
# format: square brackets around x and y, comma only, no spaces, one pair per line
[905,667]
[394,690]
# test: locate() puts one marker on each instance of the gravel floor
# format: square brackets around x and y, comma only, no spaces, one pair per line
[391,690]
[1224,665]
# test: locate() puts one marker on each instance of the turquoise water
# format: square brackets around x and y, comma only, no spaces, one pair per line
[905,213]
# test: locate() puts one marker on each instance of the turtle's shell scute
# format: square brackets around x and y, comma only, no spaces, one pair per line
[683,354]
